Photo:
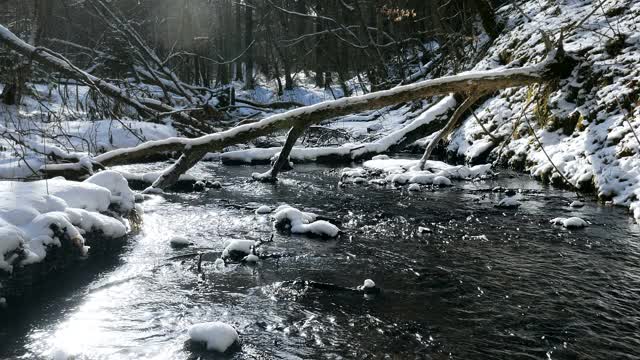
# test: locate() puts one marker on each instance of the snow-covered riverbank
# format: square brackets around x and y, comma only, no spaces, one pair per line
[41,216]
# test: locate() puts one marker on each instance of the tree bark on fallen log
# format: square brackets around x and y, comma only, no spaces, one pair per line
[449,127]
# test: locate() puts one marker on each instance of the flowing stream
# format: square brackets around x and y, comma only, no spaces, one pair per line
[482,282]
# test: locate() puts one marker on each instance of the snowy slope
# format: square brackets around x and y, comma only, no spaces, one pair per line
[585,122]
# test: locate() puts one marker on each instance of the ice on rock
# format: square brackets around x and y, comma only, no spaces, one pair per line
[217,336]
[299,222]
[264,209]
[414,187]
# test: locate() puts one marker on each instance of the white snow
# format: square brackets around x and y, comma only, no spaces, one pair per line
[251,258]
[576,204]
[300,222]
[572,222]
[29,209]
[242,246]
[264,209]
[414,187]
[218,336]
[368,283]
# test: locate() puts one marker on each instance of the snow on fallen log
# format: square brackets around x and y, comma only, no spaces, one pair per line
[426,122]
[477,81]
[38,217]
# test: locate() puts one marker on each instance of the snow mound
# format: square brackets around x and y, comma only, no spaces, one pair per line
[414,187]
[218,336]
[576,204]
[299,222]
[237,249]
[36,215]
[572,222]
[264,209]
[113,181]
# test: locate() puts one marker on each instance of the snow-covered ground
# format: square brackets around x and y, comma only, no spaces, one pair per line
[589,122]
[39,214]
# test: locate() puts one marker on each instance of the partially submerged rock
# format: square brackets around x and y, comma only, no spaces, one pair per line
[299,222]
[179,241]
[236,250]
[572,222]
[216,335]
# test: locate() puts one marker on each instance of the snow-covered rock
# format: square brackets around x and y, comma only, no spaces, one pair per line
[179,241]
[414,187]
[572,222]
[264,209]
[441,181]
[251,259]
[217,336]
[236,250]
[113,181]
[576,204]
[299,222]
[509,202]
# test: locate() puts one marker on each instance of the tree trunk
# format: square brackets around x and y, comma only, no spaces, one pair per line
[248,39]
[487,17]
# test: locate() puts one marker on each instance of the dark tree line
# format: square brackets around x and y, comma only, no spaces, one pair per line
[213,42]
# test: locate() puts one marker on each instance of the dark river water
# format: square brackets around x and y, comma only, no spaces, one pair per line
[524,290]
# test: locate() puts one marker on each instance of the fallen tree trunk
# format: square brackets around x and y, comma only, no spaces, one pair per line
[556,65]
[145,106]
[423,125]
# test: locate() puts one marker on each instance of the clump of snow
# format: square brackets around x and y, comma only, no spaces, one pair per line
[299,222]
[237,249]
[441,181]
[113,181]
[368,283]
[264,209]
[414,187]
[217,336]
[35,215]
[572,222]
[251,259]
[576,204]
